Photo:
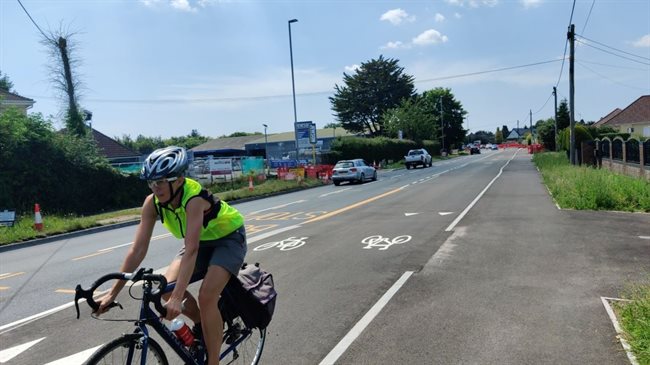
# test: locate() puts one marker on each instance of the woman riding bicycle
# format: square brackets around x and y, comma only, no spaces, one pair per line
[214,240]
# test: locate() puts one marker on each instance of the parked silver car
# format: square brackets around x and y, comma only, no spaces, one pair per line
[356,170]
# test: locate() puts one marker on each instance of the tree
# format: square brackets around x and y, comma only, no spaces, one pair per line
[377,86]
[332,125]
[498,137]
[546,133]
[484,136]
[505,132]
[563,118]
[5,83]
[64,77]
[421,118]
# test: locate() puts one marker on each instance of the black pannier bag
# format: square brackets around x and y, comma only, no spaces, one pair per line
[254,295]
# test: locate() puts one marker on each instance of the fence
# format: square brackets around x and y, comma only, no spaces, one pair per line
[631,157]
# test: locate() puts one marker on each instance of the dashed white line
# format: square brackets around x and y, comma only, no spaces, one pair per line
[278,206]
[334,192]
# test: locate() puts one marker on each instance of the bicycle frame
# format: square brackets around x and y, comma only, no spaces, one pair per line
[150,318]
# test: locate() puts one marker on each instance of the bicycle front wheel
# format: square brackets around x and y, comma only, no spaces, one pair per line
[242,346]
[127,350]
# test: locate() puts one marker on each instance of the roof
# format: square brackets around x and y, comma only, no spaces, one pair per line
[291,136]
[111,148]
[9,98]
[226,143]
[636,113]
[608,117]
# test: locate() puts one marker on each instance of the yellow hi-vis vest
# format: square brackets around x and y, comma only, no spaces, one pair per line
[219,221]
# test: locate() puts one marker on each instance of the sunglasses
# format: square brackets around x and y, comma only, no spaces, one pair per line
[160,182]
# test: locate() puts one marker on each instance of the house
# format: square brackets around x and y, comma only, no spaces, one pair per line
[224,146]
[9,99]
[634,119]
[518,133]
[118,155]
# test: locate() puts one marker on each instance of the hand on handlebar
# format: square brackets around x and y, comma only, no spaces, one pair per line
[106,302]
[174,308]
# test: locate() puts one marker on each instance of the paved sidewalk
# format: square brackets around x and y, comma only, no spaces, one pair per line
[519,282]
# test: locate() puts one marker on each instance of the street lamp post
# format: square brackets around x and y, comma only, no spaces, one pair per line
[266,151]
[293,84]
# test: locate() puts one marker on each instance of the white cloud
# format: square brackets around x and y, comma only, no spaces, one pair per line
[397,16]
[642,42]
[393,45]
[352,68]
[183,5]
[150,3]
[439,18]
[429,37]
[531,3]
[473,3]
[457,15]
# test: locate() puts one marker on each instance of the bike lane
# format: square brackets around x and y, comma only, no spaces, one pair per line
[518,282]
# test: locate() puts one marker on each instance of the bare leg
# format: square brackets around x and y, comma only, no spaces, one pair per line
[190,308]
[213,283]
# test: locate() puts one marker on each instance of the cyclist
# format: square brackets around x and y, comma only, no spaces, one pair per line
[214,239]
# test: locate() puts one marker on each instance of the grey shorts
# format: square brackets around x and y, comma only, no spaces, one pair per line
[227,252]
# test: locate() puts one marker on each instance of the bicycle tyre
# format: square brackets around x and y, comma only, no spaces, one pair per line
[249,351]
[116,352]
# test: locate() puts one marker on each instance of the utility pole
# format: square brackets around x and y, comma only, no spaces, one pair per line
[442,127]
[556,141]
[531,125]
[518,131]
[572,145]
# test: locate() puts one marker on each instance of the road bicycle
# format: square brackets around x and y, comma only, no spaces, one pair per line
[241,344]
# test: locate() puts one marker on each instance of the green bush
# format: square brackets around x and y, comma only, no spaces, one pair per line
[586,188]
[377,149]
[63,173]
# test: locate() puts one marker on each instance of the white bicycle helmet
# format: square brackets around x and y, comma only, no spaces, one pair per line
[164,163]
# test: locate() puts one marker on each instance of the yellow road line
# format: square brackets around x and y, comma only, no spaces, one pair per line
[10,274]
[355,205]
[65,291]
[91,255]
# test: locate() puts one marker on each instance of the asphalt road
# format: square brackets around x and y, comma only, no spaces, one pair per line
[467,262]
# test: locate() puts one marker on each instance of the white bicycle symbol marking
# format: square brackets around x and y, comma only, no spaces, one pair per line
[384,242]
[284,245]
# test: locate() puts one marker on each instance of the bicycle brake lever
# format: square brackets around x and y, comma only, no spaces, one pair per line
[114,304]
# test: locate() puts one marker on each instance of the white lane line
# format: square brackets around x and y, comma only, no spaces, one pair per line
[464,212]
[13,325]
[75,359]
[10,353]
[334,192]
[130,243]
[644,237]
[619,331]
[278,206]
[347,340]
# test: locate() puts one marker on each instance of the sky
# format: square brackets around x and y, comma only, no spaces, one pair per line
[162,68]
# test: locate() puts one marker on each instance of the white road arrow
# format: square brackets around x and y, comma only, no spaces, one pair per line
[8,354]
[410,214]
[75,359]
[445,213]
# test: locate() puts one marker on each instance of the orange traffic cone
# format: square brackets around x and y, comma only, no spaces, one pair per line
[250,183]
[38,220]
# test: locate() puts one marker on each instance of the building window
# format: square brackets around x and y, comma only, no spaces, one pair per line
[630,130]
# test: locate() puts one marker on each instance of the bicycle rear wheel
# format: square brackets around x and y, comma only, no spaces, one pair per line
[127,350]
[242,346]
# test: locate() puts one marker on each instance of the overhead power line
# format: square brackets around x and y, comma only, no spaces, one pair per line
[34,22]
[268,97]
[612,53]
[609,79]
[588,16]
[615,49]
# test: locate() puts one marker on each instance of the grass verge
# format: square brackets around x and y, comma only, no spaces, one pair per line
[586,188]
[53,224]
[634,318]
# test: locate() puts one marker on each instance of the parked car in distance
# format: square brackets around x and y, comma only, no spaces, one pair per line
[417,157]
[356,170]
[495,147]
[474,150]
